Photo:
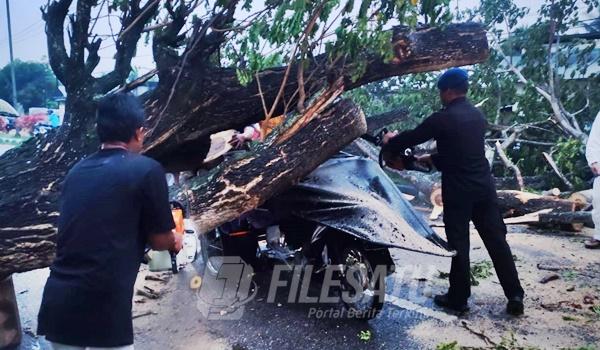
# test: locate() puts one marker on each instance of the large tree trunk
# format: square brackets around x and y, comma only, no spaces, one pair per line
[183,113]
[246,183]
[30,182]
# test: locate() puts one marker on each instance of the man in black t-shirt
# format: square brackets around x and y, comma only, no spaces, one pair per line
[468,189]
[113,203]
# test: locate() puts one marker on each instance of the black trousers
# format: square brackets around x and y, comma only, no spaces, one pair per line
[483,210]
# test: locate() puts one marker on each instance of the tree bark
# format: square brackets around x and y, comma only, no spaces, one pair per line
[517,203]
[209,100]
[243,184]
[182,116]
[573,220]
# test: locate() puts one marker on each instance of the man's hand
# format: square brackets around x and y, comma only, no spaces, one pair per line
[388,136]
[595,168]
[177,243]
[238,140]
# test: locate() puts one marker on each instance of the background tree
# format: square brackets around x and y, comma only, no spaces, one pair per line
[36,84]
[530,113]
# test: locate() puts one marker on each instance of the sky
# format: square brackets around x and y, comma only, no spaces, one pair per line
[29,38]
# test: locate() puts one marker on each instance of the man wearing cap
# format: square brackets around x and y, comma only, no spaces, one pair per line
[468,189]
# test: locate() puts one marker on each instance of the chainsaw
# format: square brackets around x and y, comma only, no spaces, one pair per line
[164,260]
[406,159]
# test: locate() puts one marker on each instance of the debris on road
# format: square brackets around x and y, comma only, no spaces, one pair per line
[548,267]
[365,335]
[480,270]
[150,277]
[147,294]
[147,313]
[195,282]
[549,277]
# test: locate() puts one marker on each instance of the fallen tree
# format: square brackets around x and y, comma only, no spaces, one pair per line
[517,203]
[194,99]
[549,218]
[243,184]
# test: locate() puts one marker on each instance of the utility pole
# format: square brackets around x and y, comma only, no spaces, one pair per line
[12,62]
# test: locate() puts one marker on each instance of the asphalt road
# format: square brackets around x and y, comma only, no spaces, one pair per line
[557,313]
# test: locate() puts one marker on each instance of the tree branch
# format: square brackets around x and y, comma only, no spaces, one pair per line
[54,14]
[509,164]
[210,96]
[554,167]
[132,25]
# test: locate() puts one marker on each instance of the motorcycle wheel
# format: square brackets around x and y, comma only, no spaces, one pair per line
[353,259]
[211,247]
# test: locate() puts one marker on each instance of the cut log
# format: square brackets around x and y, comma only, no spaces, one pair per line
[548,218]
[531,218]
[243,184]
[428,184]
[553,192]
[517,203]
[577,218]
[582,199]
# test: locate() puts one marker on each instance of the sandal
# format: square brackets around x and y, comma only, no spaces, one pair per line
[592,244]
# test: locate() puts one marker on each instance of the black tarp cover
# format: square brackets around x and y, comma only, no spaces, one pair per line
[354,195]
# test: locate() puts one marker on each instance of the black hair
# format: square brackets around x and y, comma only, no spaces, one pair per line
[118,116]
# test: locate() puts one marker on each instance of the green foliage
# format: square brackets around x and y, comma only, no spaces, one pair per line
[365,335]
[36,84]
[448,346]
[503,98]
[417,93]
[570,158]
[569,275]
[345,30]
[508,342]
[480,270]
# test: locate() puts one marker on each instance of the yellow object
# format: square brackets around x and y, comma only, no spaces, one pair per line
[414,2]
[178,218]
[266,126]
[195,282]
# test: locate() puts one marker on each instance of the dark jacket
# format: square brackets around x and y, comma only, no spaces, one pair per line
[459,131]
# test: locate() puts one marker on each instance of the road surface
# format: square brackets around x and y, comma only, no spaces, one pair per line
[557,315]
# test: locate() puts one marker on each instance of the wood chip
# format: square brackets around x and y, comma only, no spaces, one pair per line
[147,294]
[548,267]
[549,277]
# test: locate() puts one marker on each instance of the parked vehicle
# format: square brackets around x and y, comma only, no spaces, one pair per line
[347,213]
